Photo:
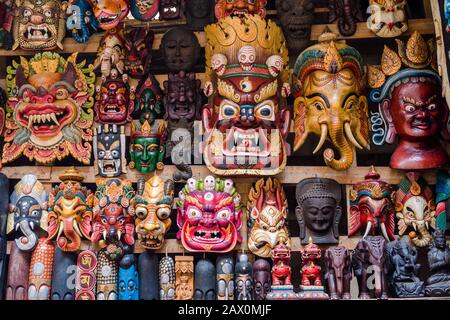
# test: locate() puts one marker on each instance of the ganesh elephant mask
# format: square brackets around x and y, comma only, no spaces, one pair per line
[28,212]
[329,100]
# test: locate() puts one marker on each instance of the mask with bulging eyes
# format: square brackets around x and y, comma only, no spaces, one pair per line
[387,18]
[128,285]
[109,151]
[144,10]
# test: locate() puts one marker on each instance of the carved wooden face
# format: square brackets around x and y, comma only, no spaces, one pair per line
[416,110]
[209,217]
[109,151]
[243,279]
[387,17]
[171,9]
[110,13]
[144,10]
[113,222]
[148,98]
[296,17]
[70,216]
[113,105]
[38,25]
[166,279]
[261,278]
[182,98]
[239,8]
[80,21]
[128,283]
[146,153]
[138,44]
[225,278]
[180,49]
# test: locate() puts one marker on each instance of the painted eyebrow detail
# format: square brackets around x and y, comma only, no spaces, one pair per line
[418,104]
[327,103]
[348,96]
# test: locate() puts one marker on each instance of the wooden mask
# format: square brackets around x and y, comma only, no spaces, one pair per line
[138,45]
[49,113]
[346,13]
[110,13]
[70,212]
[240,8]
[246,120]
[371,208]
[205,280]
[107,277]
[407,89]
[329,100]
[28,212]
[214,202]
[225,277]
[113,223]
[144,10]
[184,277]
[81,22]
[109,151]
[387,18]
[171,9]
[111,54]
[41,269]
[318,210]
[153,206]
[267,217]
[166,278]
[38,24]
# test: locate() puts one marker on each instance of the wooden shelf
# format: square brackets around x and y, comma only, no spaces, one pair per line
[290,175]
[424,26]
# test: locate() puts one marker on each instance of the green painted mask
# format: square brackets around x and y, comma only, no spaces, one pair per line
[147,146]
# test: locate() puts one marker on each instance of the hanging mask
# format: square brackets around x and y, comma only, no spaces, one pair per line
[149,98]
[296,18]
[205,280]
[113,225]
[109,151]
[107,277]
[387,18]
[329,100]
[38,25]
[138,45]
[28,212]
[182,98]
[225,278]
[346,13]
[128,285]
[261,278]
[318,211]
[49,113]
[267,217]
[153,206]
[407,89]
[110,13]
[371,207]
[111,55]
[243,278]
[180,49]
[171,9]
[240,8]
[147,146]
[416,209]
[184,277]
[81,22]
[199,13]
[144,10]
[114,102]
[209,215]
[246,121]
[70,213]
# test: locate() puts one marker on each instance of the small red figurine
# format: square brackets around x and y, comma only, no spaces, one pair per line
[311,287]
[281,270]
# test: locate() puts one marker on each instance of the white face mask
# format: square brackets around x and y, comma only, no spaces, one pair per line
[387,18]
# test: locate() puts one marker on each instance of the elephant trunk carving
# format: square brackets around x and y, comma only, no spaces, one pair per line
[347,24]
[72,240]
[337,133]
[423,237]
[29,239]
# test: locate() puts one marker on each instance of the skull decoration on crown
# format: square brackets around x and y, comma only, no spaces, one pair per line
[149,98]
[330,101]
[114,101]
[144,10]
[318,211]
[296,18]
[70,213]
[410,105]
[138,44]
[113,225]
[240,8]
[38,24]
[110,13]
[111,54]
[49,113]
[209,215]
[371,207]
[387,18]
[246,120]
[171,9]
[147,145]
[109,151]
[27,212]
[267,217]
[153,205]
[81,22]
[346,13]
[415,209]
